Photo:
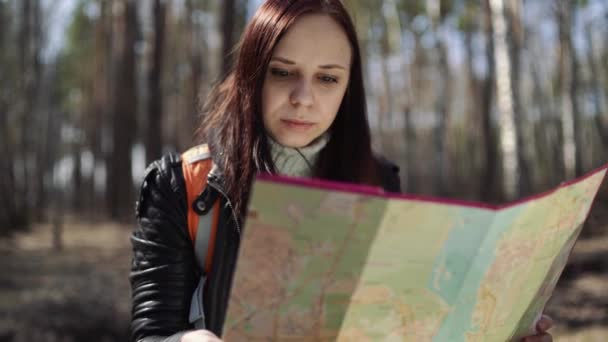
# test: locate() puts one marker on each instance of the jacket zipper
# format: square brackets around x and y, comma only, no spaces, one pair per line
[223,275]
[217,188]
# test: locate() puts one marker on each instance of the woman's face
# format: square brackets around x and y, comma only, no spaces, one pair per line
[306,80]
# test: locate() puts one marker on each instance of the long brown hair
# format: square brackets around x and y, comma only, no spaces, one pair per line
[232,117]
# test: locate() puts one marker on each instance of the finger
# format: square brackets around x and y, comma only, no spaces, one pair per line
[539,338]
[544,323]
[200,335]
[211,336]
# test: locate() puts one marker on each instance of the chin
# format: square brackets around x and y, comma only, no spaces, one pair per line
[294,142]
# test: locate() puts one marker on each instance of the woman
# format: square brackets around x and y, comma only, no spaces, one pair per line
[294,104]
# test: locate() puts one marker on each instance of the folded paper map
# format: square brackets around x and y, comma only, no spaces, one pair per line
[324,261]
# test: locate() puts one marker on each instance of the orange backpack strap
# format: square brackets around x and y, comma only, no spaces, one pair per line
[202,221]
[202,224]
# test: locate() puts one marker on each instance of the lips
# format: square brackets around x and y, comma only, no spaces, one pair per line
[297,124]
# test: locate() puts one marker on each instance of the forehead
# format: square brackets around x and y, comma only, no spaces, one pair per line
[315,39]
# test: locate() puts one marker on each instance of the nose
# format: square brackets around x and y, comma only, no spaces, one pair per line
[302,94]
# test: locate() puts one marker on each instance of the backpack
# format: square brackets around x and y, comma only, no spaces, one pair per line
[202,222]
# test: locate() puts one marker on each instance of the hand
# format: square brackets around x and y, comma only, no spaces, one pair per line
[544,324]
[200,336]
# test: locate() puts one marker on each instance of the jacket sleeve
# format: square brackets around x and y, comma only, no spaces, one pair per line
[163,268]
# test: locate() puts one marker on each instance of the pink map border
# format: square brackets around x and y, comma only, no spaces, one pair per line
[378,192]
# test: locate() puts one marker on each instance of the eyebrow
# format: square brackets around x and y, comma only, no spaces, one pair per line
[325,66]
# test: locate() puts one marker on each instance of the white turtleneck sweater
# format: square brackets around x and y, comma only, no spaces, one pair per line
[290,161]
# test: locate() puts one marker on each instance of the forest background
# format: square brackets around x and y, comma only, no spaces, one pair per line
[487,100]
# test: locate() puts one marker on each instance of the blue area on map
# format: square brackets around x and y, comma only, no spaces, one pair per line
[462,264]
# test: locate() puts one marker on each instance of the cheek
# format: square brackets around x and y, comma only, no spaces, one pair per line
[331,105]
[271,99]
[267,105]
[265,98]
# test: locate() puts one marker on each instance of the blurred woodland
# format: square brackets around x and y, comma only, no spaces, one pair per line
[488,100]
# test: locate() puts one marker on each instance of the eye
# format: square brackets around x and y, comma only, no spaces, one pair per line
[279,72]
[328,79]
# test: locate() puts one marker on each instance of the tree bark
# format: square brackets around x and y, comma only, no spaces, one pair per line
[573,93]
[386,108]
[516,39]
[97,124]
[29,66]
[228,41]
[504,101]
[546,130]
[153,141]
[473,113]
[596,90]
[567,88]
[120,181]
[416,85]
[489,186]
[7,177]
[76,200]
[57,224]
[442,101]
[24,108]
[41,115]
[49,147]
[197,48]
[409,151]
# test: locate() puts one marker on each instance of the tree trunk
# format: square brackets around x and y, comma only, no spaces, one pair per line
[573,93]
[516,39]
[566,86]
[52,150]
[24,108]
[416,92]
[153,142]
[410,151]
[604,71]
[489,186]
[7,177]
[120,182]
[441,111]
[546,130]
[386,104]
[9,215]
[504,102]
[77,177]
[473,114]
[596,91]
[101,89]
[390,46]
[197,48]
[49,146]
[406,105]
[57,231]
[228,41]
[44,159]
[57,219]
[41,115]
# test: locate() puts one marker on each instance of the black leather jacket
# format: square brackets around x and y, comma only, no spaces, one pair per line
[164,271]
